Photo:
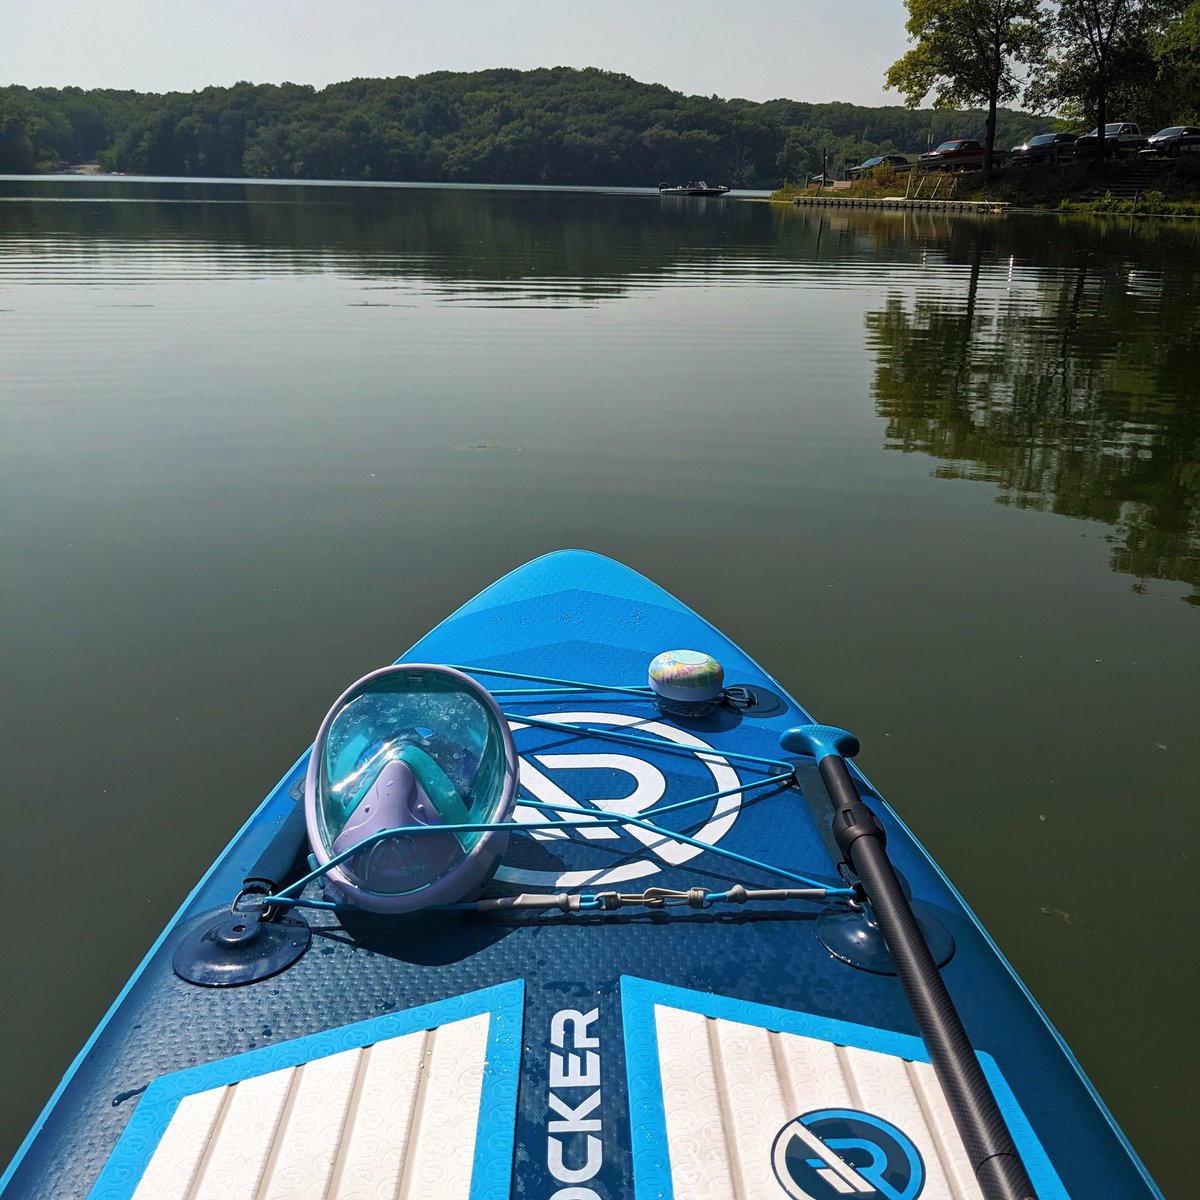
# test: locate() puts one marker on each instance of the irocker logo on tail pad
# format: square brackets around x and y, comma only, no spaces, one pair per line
[838,1153]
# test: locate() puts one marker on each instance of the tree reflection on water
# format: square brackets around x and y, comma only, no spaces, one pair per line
[1075,390]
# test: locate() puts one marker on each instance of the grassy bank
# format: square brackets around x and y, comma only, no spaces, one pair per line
[1168,188]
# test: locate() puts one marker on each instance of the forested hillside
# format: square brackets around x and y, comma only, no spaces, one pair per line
[558,125]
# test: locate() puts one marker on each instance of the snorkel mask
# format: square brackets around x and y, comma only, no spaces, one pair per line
[416,747]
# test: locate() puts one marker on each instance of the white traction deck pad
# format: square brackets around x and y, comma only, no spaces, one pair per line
[731,1099]
[413,1105]
[391,1121]
[729,1090]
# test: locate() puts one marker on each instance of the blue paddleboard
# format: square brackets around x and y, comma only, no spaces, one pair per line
[672,983]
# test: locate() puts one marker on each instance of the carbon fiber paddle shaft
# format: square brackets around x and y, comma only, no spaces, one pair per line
[994,1158]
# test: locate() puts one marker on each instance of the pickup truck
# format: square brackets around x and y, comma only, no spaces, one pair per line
[1124,136]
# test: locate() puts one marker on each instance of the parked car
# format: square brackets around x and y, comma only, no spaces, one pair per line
[958,152]
[1118,135]
[1175,140]
[880,162]
[1046,147]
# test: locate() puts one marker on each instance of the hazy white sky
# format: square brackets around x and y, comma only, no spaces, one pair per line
[758,49]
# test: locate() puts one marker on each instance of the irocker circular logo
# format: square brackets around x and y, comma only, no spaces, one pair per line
[615,781]
[839,1153]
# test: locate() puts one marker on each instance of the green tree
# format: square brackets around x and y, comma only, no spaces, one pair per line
[966,52]
[1176,54]
[1103,49]
[16,136]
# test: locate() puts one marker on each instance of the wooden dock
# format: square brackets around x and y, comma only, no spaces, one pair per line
[899,202]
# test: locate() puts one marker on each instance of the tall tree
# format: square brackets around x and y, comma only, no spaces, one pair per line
[1103,48]
[965,53]
[17,148]
[1177,53]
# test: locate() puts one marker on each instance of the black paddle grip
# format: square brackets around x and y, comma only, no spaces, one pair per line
[998,1168]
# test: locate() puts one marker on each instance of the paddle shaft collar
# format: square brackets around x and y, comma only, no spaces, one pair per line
[994,1158]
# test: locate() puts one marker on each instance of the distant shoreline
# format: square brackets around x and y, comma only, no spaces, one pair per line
[558,125]
[757,194]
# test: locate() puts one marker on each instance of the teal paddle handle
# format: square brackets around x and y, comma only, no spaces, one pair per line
[819,741]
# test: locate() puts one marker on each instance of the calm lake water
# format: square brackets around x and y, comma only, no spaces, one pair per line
[940,475]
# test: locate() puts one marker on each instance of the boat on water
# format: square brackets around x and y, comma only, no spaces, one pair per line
[576,902]
[694,188]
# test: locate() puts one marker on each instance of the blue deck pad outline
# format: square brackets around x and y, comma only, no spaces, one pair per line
[495,1135]
[647,1114]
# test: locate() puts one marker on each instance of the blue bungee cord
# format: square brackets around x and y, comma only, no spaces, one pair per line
[654,898]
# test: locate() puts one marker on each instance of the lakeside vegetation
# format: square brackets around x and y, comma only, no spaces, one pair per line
[1130,187]
[549,126]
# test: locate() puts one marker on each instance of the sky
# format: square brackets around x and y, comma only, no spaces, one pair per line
[814,50]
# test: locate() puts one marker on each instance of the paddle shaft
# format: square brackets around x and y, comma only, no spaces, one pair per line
[997,1165]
